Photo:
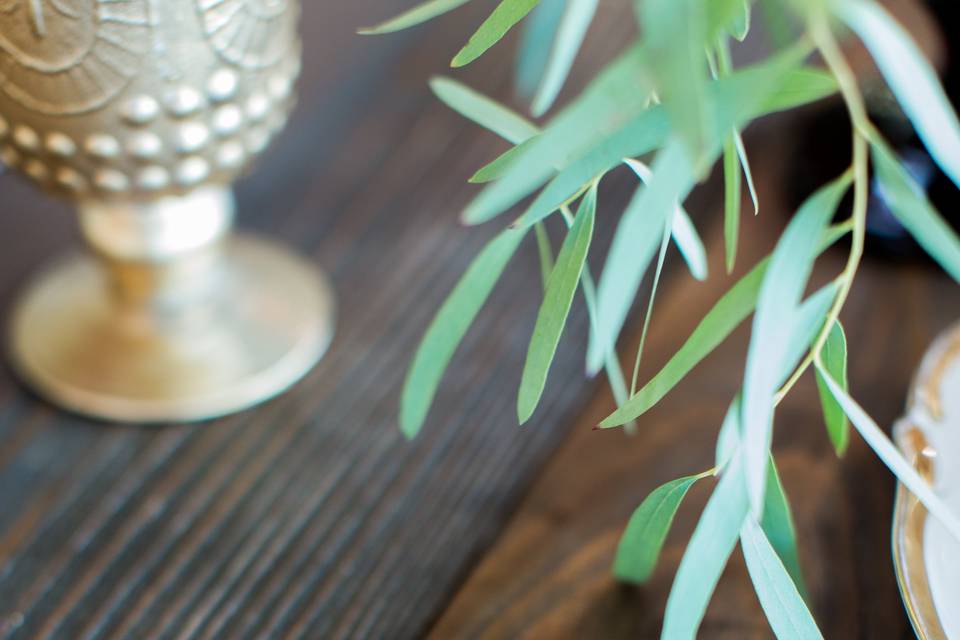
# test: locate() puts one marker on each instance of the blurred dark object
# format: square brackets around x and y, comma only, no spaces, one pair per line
[823,152]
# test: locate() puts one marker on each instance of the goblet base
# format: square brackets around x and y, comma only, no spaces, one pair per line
[266,320]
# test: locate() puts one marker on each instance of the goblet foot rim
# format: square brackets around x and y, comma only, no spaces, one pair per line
[272,321]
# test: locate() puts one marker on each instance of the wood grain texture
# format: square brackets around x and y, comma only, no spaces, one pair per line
[549,575]
[309,516]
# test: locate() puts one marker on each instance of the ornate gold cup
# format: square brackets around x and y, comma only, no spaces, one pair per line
[143,112]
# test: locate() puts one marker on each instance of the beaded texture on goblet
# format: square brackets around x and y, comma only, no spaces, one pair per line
[135,99]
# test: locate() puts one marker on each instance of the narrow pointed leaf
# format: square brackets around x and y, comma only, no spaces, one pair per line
[688,241]
[908,202]
[892,457]
[731,202]
[728,440]
[507,14]
[834,357]
[629,255]
[778,526]
[657,272]
[448,328]
[786,611]
[499,166]
[417,15]
[747,173]
[706,555]
[486,112]
[783,285]
[544,251]
[912,79]
[739,27]
[738,97]
[573,27]
[806,323]
[552,317]
[643,538]
[536,42]
[732,309]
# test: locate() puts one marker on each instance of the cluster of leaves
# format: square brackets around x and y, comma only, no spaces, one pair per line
[675,97]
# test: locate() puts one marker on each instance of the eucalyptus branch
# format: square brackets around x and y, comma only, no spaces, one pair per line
[830,50]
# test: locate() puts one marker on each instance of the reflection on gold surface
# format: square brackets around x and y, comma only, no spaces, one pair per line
[910,516]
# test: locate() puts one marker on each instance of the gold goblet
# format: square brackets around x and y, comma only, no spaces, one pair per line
[143,112]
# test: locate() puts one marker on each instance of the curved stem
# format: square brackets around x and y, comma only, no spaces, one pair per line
[847,82]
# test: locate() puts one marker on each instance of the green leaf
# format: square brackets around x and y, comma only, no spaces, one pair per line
[778,526]
[615,96]
[665,240]
[500,165]
[552,317]
[688,241]
[740,96]
[783,285]
[545,251]
[482,110]
[676,33]
[892,457]
[806,324]
[573,28]
[507,14]
[781,601]
[739,27]
[731,201]
[536,41]
[912,79]
[748,174]
[417,15]
[647,215]
[732,309]
[643,538]
[448,328]
[834,355]
[907,201]
[728,440]
[710,546]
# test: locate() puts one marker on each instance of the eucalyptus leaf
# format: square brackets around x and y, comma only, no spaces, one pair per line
[781,601]
[732,309]
[728,440]
[647,215]
[499,166]
[615,96]
[909,204]
[448,328]
[783,285]
[806,324]
[417,15]
[482,110]
[536,41]
[731,202]
[643,538]
[576,20]
[834,357]
[561,287]
[545,252]
[657,272]
[507,14]
[688,241]
[892,457]
[739,27]
[742,95]
[706,555]
[911,77]
[747,173]
[778,526]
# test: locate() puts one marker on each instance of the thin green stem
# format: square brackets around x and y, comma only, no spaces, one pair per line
[850,91]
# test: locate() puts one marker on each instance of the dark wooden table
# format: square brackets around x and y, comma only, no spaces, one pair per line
[311,517]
